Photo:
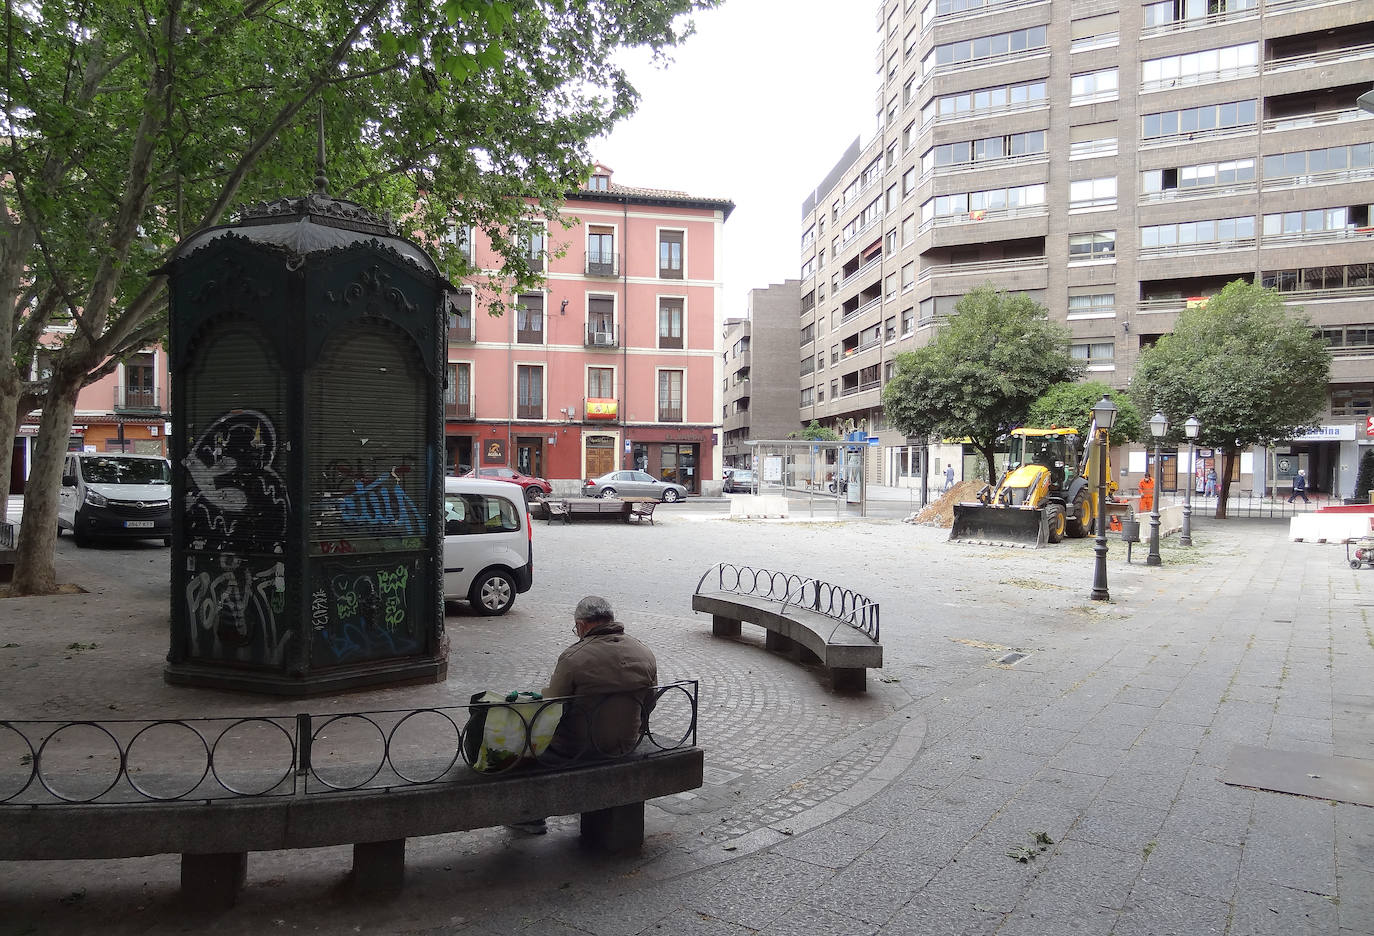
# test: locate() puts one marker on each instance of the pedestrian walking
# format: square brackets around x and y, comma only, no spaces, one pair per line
[1211,489]
[949,477]
[1299,487]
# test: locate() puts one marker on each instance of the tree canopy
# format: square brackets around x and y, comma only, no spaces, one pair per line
[1070,405]
[128,125]
[815,432]
[1252,370]
[994,357]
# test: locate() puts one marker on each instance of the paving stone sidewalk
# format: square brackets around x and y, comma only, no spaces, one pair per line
[914,808]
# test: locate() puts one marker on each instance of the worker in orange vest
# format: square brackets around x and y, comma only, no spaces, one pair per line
[1147,494]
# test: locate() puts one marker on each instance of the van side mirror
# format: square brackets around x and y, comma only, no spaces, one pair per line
[69,480]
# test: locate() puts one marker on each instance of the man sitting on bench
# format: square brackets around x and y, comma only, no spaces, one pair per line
[614,675]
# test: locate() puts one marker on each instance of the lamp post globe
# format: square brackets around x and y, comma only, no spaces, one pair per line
[1191,428]
[1159,427]
[1104,417]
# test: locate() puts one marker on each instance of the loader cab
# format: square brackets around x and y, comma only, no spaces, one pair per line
[1056,451]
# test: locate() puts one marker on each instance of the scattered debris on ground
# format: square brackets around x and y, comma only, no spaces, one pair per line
[940,512]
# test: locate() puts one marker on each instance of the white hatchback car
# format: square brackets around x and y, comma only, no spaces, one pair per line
[488,544]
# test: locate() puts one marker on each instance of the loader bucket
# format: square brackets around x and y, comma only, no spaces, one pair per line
[998,526]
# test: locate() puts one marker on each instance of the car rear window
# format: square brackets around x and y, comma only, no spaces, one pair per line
[466,514]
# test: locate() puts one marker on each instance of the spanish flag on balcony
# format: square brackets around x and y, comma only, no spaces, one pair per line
[978,214]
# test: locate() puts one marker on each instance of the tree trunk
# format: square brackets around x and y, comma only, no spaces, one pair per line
[1224,481]
[35,570]
[9,428]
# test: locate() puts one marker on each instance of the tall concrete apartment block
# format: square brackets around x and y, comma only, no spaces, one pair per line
[760,359]
[1118,161]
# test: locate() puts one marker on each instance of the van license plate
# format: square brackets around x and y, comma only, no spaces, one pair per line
[138,524]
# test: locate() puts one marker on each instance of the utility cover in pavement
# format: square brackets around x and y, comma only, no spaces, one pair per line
[1347,779]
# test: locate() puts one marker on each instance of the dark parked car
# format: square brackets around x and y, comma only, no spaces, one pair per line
[532,486]
[741,479]
[633,484]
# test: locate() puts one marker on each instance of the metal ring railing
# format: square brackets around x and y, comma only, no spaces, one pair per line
[842,604]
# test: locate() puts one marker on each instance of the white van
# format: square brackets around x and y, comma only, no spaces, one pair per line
[488,544]
[115,495]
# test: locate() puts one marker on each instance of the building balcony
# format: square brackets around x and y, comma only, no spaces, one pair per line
[460,330]
[601,336]
[736,422]
[529,411]
[1215,19]
[861,271]
[1182,250]
[136,400]
[1319,59]
[458,409]
[1021,273]
[670,413]
[1307,238]
[1304,121]
[607,265]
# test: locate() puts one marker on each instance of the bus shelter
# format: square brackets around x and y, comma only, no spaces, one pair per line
[824,476]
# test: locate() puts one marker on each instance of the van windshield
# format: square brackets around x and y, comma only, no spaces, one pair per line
[116,470]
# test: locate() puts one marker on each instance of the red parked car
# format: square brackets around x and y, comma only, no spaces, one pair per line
[533,487]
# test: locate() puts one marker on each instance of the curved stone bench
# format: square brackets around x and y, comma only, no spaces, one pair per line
[846,652]
[214,837]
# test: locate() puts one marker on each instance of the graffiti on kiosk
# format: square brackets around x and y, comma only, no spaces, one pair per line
[235,611]
[236,499]
[364,614]
[375,506]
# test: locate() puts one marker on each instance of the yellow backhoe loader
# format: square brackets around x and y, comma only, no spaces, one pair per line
[1045,493]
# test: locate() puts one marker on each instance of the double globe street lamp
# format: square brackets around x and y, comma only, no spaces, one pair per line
[1159,427]
[1191,428]
[1104,417]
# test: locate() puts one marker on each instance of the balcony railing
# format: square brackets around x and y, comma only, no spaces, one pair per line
[1202,22]
[458,409]
[142,399]
[982,266]
[868,265]
[603,264]
[601,335]
[1302,121]
[669,412]
[1330,57]
[1177,250]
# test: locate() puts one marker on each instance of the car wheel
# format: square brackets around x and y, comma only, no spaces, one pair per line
[608,492]
[532,494]
[671,495]
[493,592]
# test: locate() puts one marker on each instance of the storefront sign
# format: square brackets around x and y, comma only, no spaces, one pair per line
[601,409]
[494,452]
[1369,426]
[1327,434]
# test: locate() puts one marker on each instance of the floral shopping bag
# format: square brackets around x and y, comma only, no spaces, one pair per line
[505,728]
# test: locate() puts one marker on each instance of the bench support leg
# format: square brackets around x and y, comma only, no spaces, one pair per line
[378,867]
[724,627]
[772,640]
[617,831]
[808,656]
[213,881]
[849,679]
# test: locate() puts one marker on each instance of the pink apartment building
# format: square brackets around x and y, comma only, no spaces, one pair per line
[124,411]
[613,363]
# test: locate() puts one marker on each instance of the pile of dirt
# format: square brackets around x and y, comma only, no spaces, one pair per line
[940,512]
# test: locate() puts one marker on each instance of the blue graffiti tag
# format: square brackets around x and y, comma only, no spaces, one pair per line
[383,503]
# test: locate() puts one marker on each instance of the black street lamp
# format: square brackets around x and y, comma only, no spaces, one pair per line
[1104,416]
[1159,426]
[1191,428]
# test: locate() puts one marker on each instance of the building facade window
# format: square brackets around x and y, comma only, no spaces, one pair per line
[1093,86]
[1346,276]
[1206,119]
[529,318]
[534,246]
[1098,245]
[670,323]
[974,204]
[1316,221]
[1086,193]
[601,258]
[458,390]
[1178,11]
[1213,231]
[601,383]
[1331,159]
[1203,175]
[984,150]
[1195,67]
[1095,353]
[1000,97]
[670,396]
[670,254]
[1092,305]
[986,47]
[908,276]
[529,391]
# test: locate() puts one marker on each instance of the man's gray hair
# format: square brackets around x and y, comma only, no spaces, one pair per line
[594,608]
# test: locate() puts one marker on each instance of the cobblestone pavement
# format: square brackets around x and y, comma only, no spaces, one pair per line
[912,808]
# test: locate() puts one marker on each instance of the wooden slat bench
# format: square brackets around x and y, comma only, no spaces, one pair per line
[589,508]
[845,649]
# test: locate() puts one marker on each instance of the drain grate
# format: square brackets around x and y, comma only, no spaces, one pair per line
[1007,659]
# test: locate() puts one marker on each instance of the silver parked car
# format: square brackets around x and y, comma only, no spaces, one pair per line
[633,484]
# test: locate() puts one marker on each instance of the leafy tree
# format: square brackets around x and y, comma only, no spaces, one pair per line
[1070,405]
[1249,368]
[128,125]
[1364,480]
[994,357]
[818,433]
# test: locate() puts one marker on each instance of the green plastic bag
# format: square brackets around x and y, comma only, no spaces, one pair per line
[505,728]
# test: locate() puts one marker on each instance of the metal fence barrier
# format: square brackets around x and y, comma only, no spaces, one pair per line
[49,763]
[842,604]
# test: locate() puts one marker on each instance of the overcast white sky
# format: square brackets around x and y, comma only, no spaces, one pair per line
[753,109]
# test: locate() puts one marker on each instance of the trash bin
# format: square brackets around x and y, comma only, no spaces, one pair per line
[1130,530]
